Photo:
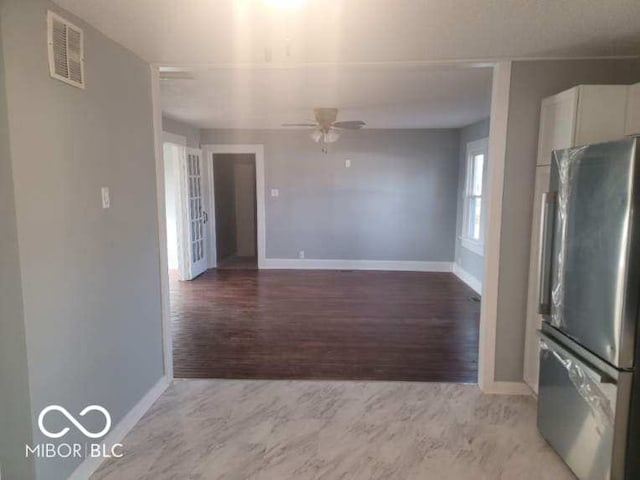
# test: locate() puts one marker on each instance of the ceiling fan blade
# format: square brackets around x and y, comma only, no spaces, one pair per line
[349,125]
[299,124]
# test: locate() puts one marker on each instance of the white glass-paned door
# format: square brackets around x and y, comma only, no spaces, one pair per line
[196,215]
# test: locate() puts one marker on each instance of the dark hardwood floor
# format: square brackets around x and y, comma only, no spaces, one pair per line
[238,263]
[325,325]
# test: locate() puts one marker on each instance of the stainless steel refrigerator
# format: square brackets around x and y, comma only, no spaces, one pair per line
[589,391]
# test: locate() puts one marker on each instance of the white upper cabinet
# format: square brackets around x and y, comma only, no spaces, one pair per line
[557,124]
[580,116]
[633,110]
[531,349]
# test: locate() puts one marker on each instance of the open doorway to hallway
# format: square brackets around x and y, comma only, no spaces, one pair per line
[234,178]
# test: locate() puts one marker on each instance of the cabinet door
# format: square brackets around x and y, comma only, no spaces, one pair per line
[531,347]
[557,124]
[633,111]
[601,113]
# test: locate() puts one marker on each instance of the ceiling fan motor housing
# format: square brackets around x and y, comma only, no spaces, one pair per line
[326,117]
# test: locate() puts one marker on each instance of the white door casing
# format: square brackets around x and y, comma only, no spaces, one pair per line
[174,153]
[258,151]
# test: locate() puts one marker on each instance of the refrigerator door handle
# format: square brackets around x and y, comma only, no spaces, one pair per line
[544,254]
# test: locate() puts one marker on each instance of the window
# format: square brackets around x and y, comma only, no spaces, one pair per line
[473,220]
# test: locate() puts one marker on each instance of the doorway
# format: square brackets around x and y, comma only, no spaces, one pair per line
[173,152]
[235,204]
[487,341]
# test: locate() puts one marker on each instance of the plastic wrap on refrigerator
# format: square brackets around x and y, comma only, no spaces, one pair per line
[598,395]
[565,160]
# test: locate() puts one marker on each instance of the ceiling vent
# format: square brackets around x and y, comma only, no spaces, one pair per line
[66,50]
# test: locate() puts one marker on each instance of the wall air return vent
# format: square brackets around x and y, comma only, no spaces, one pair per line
[66,50]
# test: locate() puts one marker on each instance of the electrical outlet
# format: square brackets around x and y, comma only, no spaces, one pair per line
[301,254]
[106,201]
[347,163]
[275,192]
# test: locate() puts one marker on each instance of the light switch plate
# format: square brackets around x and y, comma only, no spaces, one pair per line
[301,254]
[347,163]
[106,201]
[275,192]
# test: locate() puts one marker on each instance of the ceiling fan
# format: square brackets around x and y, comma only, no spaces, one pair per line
[325,129]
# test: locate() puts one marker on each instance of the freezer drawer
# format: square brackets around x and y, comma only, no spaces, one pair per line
[583,412]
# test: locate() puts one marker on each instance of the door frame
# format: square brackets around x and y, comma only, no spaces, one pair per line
[500,93]
[257,150]
[183,255]
[165,308]
[487,344]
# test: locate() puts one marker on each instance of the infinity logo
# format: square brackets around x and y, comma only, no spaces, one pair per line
[75,422]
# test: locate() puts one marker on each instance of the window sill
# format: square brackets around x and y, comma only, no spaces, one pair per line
[473,246]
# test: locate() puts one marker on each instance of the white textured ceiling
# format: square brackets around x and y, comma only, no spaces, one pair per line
[246,31]
[384,97]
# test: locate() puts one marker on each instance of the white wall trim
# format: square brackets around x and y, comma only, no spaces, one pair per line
[508,388]
[497,152]
[480,62]
[165,308]
[467,278]
[474,147]
[124,426]
[324,264]
[258,151]
[473,246]
[481,144]
[168,137]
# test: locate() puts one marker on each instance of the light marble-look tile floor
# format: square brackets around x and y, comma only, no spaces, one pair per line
[299,430]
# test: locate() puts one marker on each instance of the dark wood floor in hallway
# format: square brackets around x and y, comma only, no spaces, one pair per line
[325,325]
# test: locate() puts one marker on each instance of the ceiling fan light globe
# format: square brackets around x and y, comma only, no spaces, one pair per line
[332,136]
[316,135]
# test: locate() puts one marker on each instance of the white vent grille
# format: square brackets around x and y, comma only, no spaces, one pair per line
[66,51]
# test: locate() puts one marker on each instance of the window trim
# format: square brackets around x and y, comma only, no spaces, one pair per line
[474,148]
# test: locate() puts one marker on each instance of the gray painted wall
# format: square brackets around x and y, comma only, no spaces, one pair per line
[15,413]
[90,277]
[530,83]
[396,202]
[470,261]
[245,181]
[225,196]
[191,133]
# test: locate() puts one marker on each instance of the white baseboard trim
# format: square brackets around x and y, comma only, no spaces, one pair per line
[90,465]
[467,278]
[391,265]
[507,388]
